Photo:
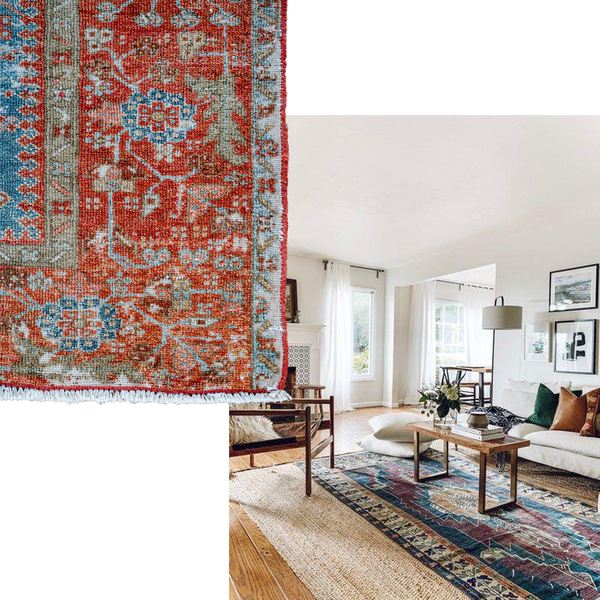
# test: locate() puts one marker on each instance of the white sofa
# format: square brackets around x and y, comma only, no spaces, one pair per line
[560,449]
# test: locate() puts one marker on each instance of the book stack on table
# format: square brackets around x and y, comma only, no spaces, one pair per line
[491,432]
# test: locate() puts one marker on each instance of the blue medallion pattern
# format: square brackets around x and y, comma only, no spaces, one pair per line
[79,324]
[160,117]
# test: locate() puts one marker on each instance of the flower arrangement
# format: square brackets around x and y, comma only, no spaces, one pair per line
[441,401]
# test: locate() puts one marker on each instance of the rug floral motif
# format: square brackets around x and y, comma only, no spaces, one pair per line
[545,548]
[142,196]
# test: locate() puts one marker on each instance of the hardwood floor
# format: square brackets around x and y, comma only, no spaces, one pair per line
[256,570]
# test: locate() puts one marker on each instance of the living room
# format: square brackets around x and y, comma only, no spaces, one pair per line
[520,233]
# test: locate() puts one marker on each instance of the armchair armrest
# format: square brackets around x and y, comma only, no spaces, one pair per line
[266,412]
[324,401]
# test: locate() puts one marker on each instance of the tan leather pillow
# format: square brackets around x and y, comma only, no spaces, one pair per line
[571,412]
[589,428]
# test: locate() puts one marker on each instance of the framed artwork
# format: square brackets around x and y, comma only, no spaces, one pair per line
[537,342]
[291,301]
[575,347]
[574,289]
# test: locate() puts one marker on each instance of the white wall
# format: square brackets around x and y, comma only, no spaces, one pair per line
[310,274]
[524,257]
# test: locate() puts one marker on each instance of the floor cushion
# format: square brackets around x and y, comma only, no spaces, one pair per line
[398,449]
[570,441]
[391,427]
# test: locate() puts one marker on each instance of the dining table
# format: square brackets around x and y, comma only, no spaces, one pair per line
[461,373]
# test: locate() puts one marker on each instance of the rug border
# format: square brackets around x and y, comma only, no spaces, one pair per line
[284,191]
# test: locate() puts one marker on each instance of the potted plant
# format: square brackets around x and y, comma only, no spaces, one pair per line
[441,401]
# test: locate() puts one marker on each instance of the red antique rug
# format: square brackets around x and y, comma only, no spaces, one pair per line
[142,199]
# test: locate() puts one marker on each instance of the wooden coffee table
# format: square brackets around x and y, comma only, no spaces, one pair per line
[485,449]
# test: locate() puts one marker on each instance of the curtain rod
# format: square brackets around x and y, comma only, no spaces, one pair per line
[377,271]
[482,287]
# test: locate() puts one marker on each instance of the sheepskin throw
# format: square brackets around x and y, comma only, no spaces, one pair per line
[244,430]
[142,200]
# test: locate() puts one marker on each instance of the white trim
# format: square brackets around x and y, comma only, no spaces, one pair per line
[370,375]
[366,404]
[135,396]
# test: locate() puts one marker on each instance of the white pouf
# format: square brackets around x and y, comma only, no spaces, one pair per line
[398,449]
[391,427]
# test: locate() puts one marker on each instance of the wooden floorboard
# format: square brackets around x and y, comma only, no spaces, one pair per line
[250,576]
[257,571]
[287,580]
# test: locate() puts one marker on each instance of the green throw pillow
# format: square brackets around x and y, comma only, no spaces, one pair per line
[546,403]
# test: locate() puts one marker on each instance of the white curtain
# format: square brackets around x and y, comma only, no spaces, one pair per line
[421,344]
[336,355]
[478,342]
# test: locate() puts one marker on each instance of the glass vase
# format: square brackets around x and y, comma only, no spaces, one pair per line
[445,422]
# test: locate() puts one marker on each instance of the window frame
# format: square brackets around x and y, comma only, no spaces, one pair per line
[460,322]
[370,376]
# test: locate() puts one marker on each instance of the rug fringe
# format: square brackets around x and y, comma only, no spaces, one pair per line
[102,396]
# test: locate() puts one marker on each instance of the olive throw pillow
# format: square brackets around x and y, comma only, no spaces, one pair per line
[546,403]
[570,413]
[589,428]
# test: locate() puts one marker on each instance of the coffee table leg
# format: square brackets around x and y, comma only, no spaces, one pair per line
[418,476]
[482,480]
[416,447]
[513,475]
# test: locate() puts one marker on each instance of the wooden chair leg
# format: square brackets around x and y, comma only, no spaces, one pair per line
[252,460]
[332,434]
[308,460]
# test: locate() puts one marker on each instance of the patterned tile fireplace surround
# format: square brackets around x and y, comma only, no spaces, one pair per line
[304,342]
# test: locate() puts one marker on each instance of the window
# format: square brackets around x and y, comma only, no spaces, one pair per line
[449,333]
[362,325]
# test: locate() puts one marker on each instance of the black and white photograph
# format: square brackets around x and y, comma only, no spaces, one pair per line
[575,347]
[574,289]
[537,342]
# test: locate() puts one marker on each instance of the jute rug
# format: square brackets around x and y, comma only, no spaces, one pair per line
[142,200]
[369,532]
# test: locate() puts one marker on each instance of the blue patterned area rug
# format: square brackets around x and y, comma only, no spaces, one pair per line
[546,548]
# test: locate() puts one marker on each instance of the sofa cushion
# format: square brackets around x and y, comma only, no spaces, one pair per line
[571,412]
[588,466]
[391,427]
[585,390]
[518,397]
[590,428]
[524,429]
[546,402]
[570,441]
[399,449]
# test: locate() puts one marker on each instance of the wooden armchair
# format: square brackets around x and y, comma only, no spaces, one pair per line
[296,433]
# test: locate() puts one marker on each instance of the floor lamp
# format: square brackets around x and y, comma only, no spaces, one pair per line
[500,317]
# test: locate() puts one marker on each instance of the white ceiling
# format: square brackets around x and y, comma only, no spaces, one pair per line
[384,191]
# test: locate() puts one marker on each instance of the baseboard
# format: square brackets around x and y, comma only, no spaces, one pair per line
[366,404]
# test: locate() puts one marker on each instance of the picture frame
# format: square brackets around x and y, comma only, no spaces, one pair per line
[291,300]
[574,289]
[575,347]
[536,342]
